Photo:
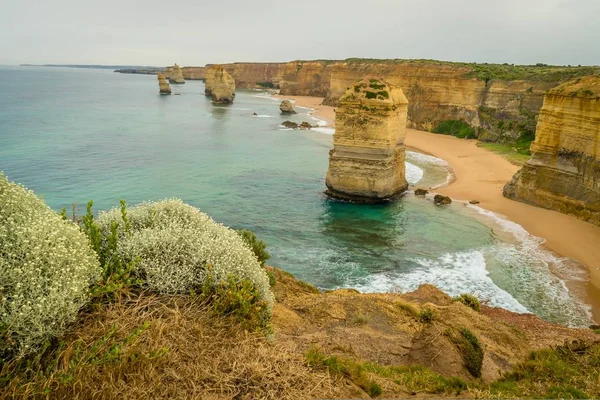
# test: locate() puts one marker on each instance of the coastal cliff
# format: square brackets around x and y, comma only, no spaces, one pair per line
[563,173]
[366,163]
[500,102]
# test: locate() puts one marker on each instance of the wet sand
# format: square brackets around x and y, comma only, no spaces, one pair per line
[480,175]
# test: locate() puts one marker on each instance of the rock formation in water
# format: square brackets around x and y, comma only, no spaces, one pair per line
[441,200]
[366,163]
[219,85]
[563,173]
[175,75]
[163,85]
[286,107]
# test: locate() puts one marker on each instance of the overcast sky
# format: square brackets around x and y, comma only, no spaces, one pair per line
[196,32]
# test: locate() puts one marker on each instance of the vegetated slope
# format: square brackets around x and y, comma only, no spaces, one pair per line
[340,344]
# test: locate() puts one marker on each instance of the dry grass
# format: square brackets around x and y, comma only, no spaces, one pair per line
[165,347]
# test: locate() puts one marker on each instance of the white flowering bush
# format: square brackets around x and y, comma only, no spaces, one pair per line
[177,249]
[46,268]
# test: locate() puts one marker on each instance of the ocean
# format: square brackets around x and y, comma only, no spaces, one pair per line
[72,135]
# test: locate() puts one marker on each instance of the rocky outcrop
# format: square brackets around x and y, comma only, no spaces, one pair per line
[219,85]
[366,163]
[293,125]
[421,192]
[286,107]
[163,85]
[441,200]
[563,173]
[175,75]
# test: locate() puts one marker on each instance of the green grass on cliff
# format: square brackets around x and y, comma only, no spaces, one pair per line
[458,128]
[486,72]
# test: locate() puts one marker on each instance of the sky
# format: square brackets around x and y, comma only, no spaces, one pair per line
[197,32]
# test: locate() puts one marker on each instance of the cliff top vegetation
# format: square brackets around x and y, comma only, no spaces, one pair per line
[489,71]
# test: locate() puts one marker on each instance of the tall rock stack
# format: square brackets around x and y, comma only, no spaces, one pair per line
[366,164]
[175,75]
[219,85]
[163,85]
[563,173]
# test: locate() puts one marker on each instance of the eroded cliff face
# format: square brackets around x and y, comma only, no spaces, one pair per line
[366,163]
[253,75]
[563,173]
[499,110]
[163,85]
[193,73]
[219,85]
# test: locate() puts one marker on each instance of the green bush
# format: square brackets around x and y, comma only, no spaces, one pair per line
[469,300]
[426,315]
[46,268]
[471,350]
[257,246]
[175,248]
[370,95]
[458,128]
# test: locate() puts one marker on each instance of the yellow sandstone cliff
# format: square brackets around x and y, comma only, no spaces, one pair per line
[366,163]
[563,173]
[175,75]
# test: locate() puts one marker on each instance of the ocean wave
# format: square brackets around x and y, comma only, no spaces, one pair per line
[424,158]
[262,116]
[413,173]
[327,131]
[463,272]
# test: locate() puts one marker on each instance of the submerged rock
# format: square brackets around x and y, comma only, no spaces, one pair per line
[305,125]
[163,85]
[441,200]
[286,107]
[176,76]
[421,192]
[563,173]
[219,85]
[367,161]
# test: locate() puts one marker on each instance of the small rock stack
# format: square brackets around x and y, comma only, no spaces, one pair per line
[163,85]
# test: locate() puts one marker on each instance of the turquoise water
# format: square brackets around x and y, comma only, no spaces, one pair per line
[73,135]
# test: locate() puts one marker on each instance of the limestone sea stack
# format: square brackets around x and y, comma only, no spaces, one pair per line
[219,85]
[286,107]
[366,164]
[163,85]
[563,173]
[175,75]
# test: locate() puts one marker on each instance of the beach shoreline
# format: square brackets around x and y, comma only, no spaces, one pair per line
[480,174]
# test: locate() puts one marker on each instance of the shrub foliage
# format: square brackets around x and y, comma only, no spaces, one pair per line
[257,246]
[46,268]
[175,248]
[469,300]
[458,128]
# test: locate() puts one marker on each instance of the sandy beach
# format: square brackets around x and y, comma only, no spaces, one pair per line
[480,175]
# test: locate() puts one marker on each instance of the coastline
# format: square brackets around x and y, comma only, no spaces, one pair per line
[480,174]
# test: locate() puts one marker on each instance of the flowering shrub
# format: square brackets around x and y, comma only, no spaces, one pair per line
[46,268]
[257,246]
[178,249]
